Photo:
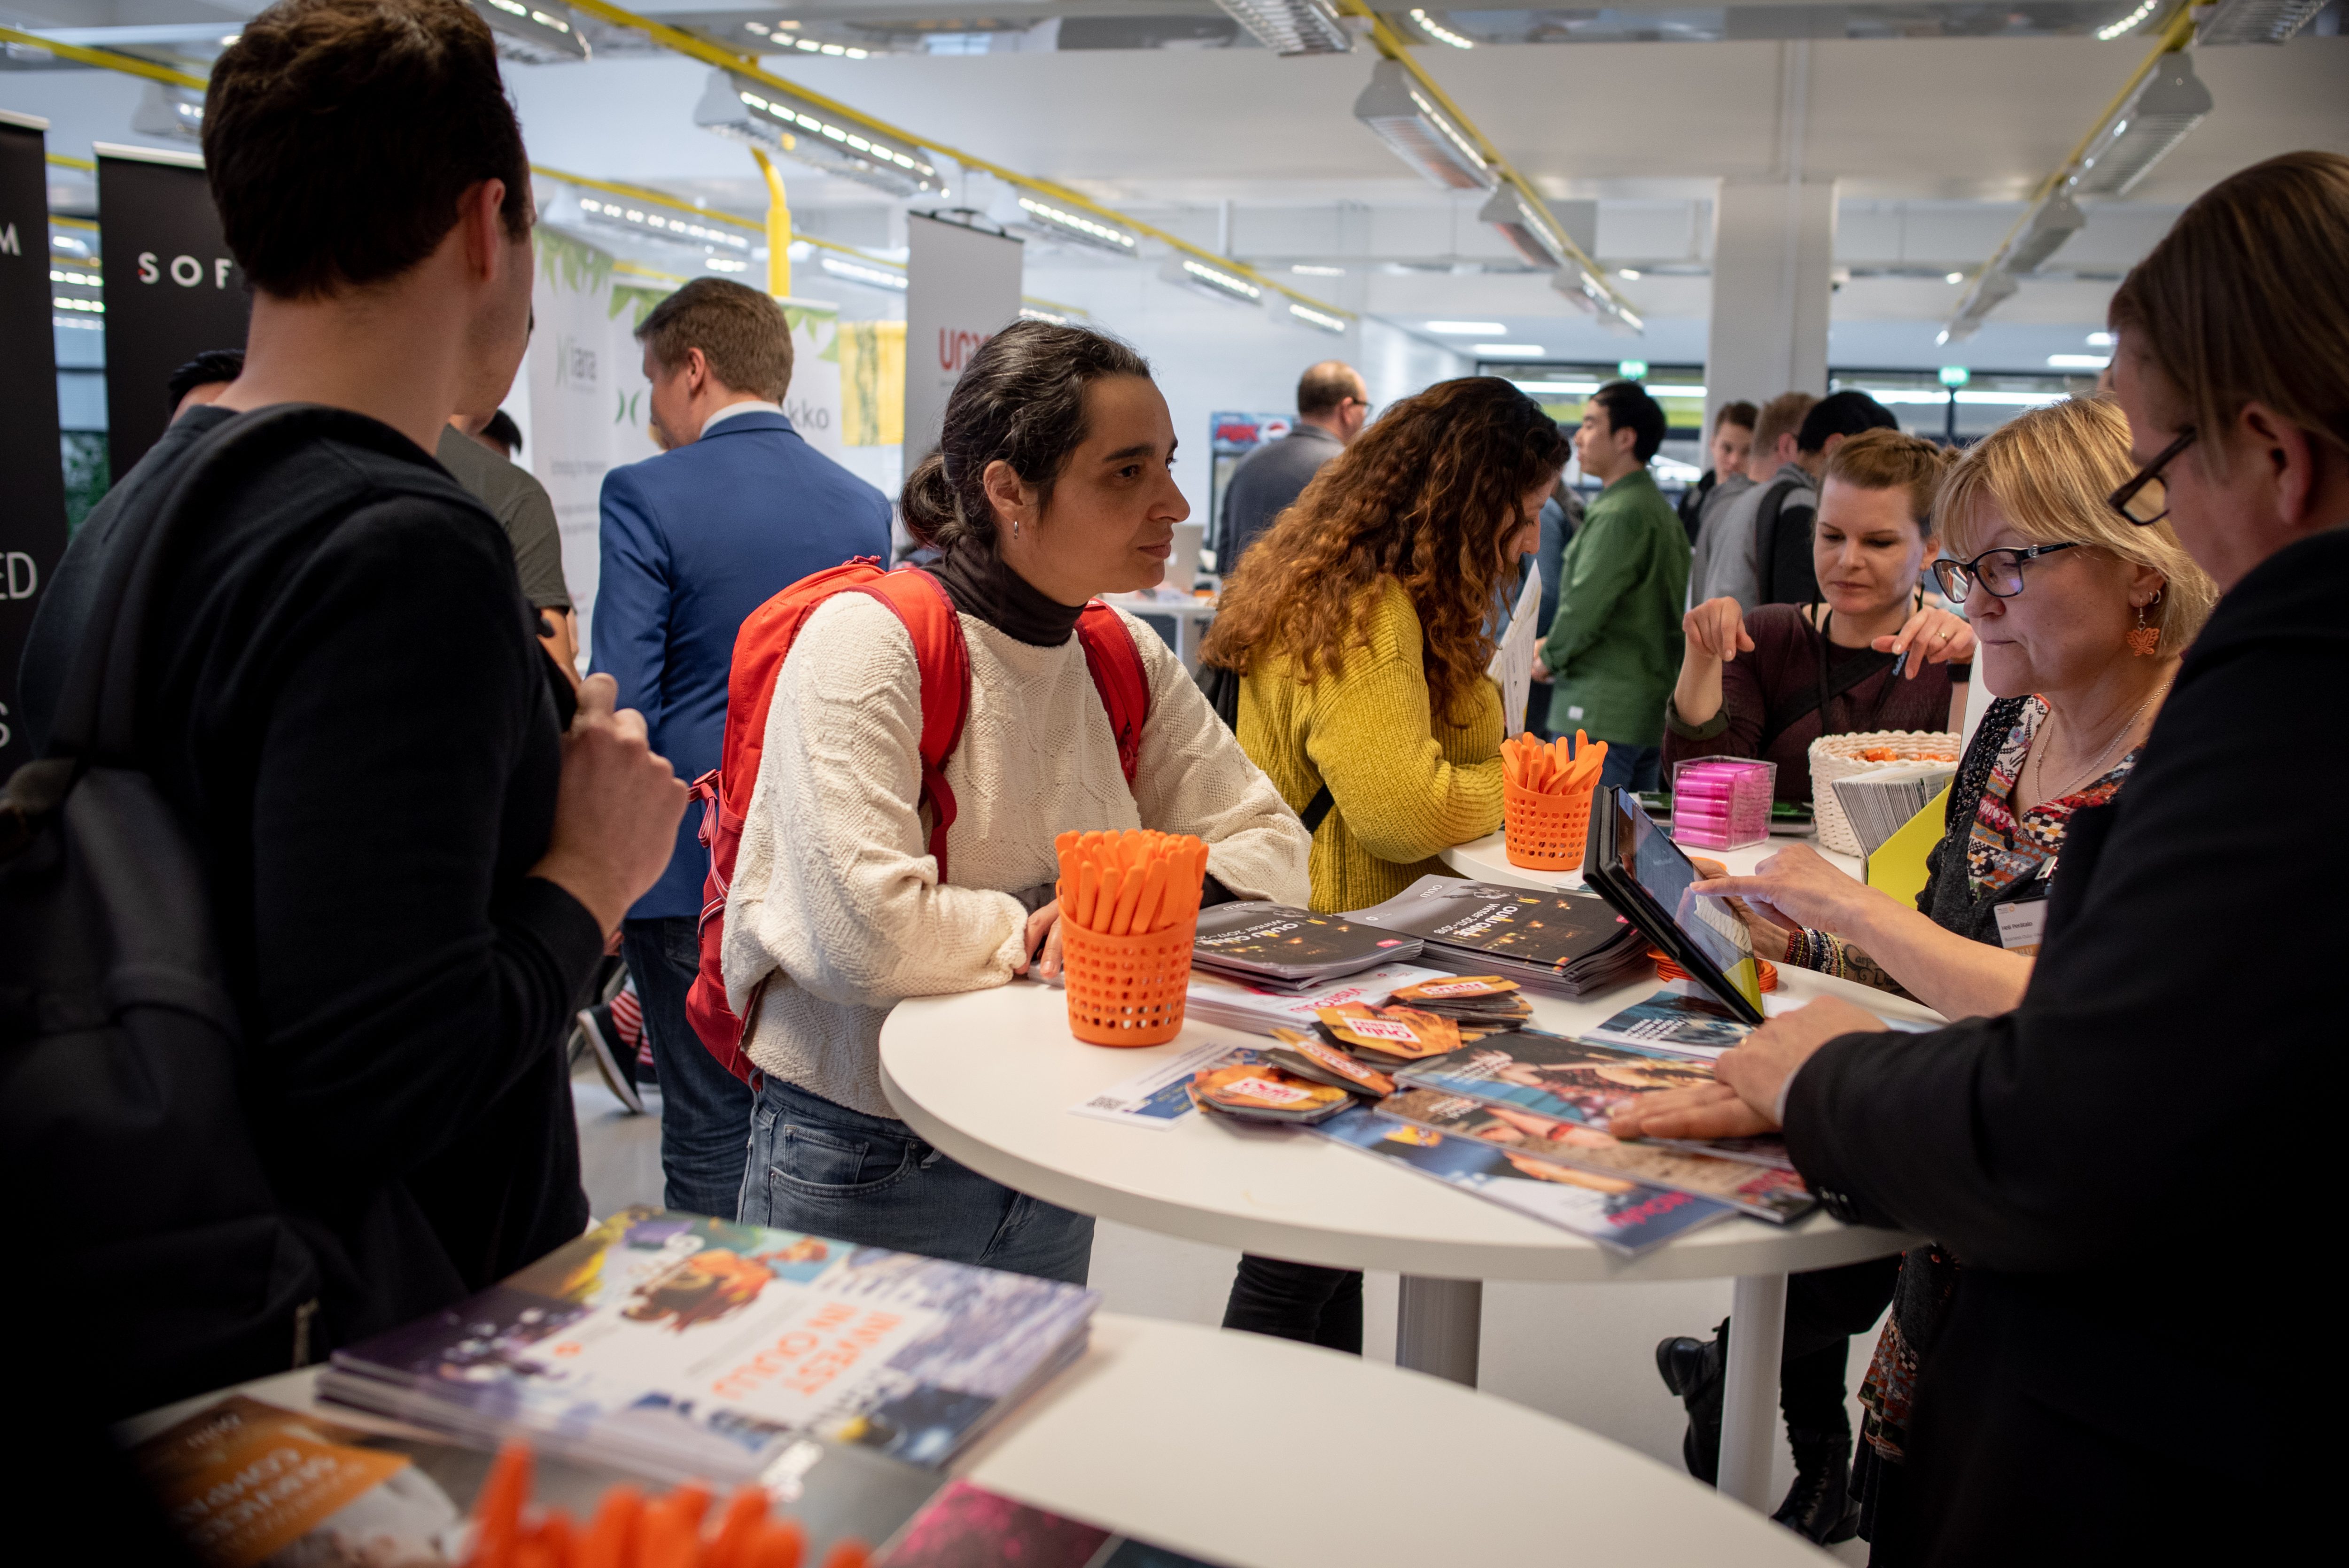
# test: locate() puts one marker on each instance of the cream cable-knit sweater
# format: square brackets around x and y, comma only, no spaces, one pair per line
[835,893]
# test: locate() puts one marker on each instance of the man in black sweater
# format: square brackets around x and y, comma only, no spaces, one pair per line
[413,866]
[2102,1390]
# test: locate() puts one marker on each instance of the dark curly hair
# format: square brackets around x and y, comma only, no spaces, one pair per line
[1021,399]
[1426,496]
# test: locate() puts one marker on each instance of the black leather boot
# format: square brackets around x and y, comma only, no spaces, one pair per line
[1819,1504]
[1694,1369]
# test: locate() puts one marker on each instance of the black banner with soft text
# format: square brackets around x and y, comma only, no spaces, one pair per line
[171,288]
[32,475]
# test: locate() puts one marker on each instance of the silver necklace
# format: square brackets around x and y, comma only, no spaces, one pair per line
[2039,772]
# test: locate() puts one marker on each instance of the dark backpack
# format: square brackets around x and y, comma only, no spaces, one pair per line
[164,1257]
[1783,547]
[1222,688]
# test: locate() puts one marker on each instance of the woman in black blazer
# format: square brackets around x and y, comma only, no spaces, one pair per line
[2103,1389]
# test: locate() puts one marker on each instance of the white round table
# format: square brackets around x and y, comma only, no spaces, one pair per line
[988,1077]
[1253,1451]
[1487,859]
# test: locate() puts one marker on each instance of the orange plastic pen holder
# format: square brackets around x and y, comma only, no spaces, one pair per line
[1544,833]
[1126,990]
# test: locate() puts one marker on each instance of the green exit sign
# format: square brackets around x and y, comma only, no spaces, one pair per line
[1632,369]
[1955,374]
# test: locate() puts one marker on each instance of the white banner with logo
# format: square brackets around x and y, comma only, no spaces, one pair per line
[962,287]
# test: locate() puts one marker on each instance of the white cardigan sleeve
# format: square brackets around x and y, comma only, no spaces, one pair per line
[1193,778]
[834,883]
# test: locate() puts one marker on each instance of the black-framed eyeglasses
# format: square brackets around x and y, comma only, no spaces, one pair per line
[2144,499]
[1999,572]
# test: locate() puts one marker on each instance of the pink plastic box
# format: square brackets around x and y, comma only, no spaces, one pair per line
[1723,802]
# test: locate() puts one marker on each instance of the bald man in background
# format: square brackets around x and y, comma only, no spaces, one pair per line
[1332,401]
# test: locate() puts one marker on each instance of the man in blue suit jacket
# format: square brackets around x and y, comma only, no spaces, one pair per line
[738,509]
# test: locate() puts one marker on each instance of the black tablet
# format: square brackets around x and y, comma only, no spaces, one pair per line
[1633,864]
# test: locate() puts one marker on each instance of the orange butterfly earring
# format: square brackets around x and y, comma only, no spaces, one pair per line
[2144,640]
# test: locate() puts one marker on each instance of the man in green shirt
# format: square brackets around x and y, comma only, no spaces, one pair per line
[1614,649]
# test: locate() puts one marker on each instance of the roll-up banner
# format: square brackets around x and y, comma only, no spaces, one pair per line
[33,517]
[962,287]
[171,288]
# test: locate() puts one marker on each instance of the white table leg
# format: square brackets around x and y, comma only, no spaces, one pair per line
[1439,1327]
[1749,1411]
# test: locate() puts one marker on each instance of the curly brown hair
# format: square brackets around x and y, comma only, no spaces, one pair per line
[1426,496]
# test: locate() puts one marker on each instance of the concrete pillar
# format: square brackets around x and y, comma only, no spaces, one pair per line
[1773,248]
[1773,252]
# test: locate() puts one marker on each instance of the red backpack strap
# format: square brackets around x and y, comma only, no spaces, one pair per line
[1118,675]
[943,660]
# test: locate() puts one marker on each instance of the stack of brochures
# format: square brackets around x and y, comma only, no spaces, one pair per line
[1284,948]
[1880,801]
[1261,1010]
[675,1346]
[1563,943]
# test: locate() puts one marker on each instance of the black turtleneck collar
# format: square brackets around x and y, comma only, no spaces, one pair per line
[980,585]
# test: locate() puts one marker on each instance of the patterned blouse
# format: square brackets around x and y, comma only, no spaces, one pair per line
[2000,850]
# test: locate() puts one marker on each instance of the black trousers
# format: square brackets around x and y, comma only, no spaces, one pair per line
[1824,1309]
[1297,1301]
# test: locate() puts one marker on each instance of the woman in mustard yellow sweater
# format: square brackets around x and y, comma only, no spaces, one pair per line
[1361,626]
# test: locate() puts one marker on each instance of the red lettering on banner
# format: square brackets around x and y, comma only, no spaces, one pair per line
[956,346]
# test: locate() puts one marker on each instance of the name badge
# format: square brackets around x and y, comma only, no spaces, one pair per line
[2021,925]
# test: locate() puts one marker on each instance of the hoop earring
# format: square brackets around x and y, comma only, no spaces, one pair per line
[2145,641]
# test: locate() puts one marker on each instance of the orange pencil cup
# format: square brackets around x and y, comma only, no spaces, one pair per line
[1126,990]
[1544,832]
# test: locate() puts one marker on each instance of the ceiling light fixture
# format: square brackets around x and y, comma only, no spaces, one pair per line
[2151,121]
[1309,270]
[1510,348]
[1990,290]
[1319,319]
[2078,361]
[1954,278]
[1439,33]
[2100,340]
[1629,274]
[764,116]
[2256,21]
[1420,134]
[1467,328]
[1531,235]
[1054,222]
[643,220]
[532,34]
[2052,222]
[1584,289]
[1201,277]
[1290,28]
[168,111]
[2127,23]
[858,273]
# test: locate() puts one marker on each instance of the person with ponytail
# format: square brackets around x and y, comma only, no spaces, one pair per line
[1361,626]
[1052,485]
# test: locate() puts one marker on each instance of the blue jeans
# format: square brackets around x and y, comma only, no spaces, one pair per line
[1632,766]
[833,1171]
[704,1108]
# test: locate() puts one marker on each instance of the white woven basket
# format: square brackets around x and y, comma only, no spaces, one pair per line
[1835,757]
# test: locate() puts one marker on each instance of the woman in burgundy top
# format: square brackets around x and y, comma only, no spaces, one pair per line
[1873,656]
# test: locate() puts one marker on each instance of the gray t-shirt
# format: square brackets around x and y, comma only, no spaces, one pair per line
[520,503]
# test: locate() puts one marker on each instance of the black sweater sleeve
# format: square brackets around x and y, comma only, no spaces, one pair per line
[2199,951]
[407,970]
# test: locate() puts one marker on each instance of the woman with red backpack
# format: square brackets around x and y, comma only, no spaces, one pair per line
[1051,486]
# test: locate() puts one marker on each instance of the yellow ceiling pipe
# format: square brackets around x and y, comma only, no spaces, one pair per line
[105,60]
[1391,43]
[778,228]
[701,48]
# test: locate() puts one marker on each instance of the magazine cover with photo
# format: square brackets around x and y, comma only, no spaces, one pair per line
[1673,1020]
[1551,1076]
[1763,1192]
[673,1339]
[1283,945]
[1551,931]
[1629,1216]
[967,1526]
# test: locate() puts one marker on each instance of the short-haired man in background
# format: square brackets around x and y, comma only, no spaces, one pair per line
[527,512]
[411,868]
[1332,401]
[1766,552]
[1733,443]
[1722,565]
[1614,650]
[202,379]
[736,509]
